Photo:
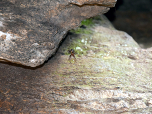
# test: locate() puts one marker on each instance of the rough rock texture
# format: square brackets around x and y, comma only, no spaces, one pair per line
[30,31]
[111,75]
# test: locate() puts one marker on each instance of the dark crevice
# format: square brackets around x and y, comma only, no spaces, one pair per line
[133,17]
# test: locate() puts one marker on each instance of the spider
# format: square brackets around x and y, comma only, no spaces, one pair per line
[71,51]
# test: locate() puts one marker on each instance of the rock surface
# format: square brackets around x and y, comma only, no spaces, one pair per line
[111,75]
[30,31]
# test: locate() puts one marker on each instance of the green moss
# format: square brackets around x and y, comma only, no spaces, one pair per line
[77,44]
[81,31]
[79,47]
[87,22]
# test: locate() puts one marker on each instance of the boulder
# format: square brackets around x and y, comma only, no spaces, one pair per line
[111,75]
[31,31]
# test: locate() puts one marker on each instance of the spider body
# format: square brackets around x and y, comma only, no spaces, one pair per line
[72,52]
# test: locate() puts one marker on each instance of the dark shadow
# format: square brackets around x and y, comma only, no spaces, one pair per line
[133,17]
[22,66]
[111,13]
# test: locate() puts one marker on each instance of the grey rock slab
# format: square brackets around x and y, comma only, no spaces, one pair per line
[31,31]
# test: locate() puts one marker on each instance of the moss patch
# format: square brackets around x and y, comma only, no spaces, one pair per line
[88,22]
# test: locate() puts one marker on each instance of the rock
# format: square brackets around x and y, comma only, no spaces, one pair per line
[150,103]
[31,31]
[108,100]
[139,104]
[108,82]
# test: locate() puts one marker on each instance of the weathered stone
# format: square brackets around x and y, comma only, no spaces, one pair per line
[30,31]
[108,100]
[106,82]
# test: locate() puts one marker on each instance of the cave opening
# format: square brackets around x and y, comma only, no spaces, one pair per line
[135,18]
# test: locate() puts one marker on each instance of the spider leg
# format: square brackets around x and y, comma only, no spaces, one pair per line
[74,57]
[69,57]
